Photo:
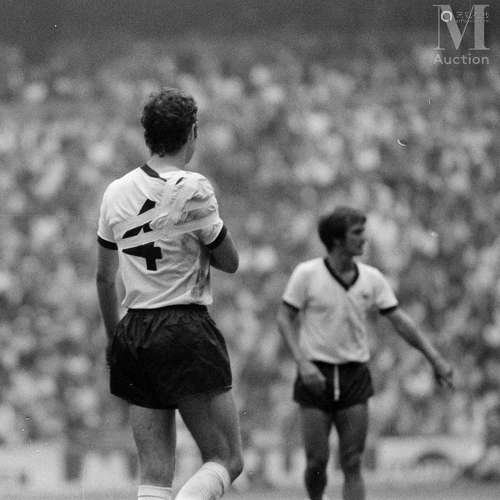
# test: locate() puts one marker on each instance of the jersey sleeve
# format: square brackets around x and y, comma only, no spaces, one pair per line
[295,294]
[384,297]
[212,235]
[105,235]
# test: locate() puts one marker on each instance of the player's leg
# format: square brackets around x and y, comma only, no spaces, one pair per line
[316,426]
[352,425]
[155,437]
[214,424]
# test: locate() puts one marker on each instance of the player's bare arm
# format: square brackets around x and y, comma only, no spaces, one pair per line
[225,256]
[288,323]
[407,329]
[107,267]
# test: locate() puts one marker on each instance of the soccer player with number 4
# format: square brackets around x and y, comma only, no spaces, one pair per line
[160,226]
[323,322]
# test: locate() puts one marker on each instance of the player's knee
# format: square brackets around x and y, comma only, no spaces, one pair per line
[351,462]
[316,464]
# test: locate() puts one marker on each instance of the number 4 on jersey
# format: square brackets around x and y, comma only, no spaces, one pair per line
[147,251]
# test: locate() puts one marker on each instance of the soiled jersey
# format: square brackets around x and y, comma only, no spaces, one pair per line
[162,228]
[333,314]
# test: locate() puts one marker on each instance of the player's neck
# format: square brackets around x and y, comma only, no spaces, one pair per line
[340,261]
[168,163]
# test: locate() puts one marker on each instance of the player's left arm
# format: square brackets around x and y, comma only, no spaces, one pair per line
[407,329]
[107,267]
[223,253]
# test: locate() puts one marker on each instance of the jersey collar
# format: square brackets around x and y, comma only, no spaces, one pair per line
[151,172]
[335,276]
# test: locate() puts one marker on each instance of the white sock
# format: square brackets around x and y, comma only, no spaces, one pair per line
[148,492]
[209,483]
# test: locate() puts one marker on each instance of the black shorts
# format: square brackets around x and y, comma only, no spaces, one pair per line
[160,356]
[347,384]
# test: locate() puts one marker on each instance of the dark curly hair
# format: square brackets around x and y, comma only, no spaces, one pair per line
[167,119]
[334,225]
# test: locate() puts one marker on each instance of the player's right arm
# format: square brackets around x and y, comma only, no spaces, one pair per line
[288,320]
[288,326]
[107,267]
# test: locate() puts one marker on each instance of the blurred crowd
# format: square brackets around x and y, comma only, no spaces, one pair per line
[286,133]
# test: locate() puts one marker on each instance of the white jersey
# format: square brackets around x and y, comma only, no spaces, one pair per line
[162,228]
[333,314]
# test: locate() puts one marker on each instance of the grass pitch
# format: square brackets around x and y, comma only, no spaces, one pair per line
[456,490]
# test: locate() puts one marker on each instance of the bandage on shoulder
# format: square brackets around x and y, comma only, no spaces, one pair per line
[187,204]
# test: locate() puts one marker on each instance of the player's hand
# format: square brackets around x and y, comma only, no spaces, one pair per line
[312,377]
[443,372]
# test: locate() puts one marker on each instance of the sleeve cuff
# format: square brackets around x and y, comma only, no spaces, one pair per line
[107,244]
[388,310]
[218,240]
[295,308]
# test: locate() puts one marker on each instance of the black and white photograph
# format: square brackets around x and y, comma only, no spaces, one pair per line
[249,250]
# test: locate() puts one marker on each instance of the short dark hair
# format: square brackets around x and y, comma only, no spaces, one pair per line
[167,119]
[334,225]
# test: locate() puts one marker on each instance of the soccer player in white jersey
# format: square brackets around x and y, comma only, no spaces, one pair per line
[160,226]
[323,322]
